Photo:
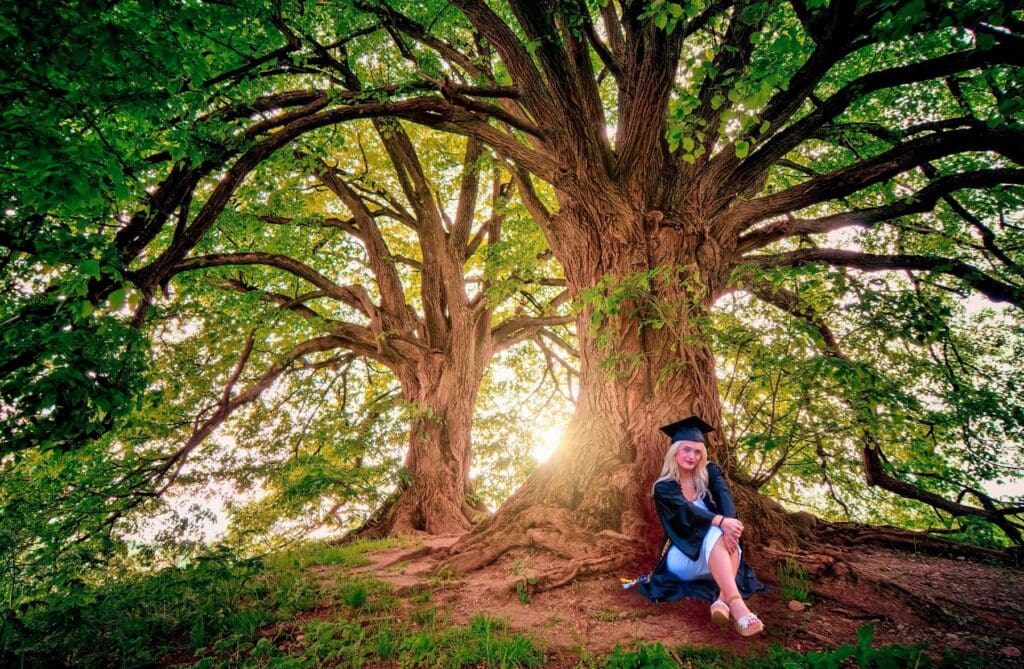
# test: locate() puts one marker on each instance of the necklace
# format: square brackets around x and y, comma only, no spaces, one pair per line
[688,485]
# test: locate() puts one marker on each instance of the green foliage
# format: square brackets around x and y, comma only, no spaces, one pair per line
[662,298]
[916,368]
[794,581]
[69,375]
[218,603]
[134,621]
[655,656]
[861,655]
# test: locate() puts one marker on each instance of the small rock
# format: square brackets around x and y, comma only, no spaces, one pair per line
[953,638]
[960,557]
[795,605]
[1009,651]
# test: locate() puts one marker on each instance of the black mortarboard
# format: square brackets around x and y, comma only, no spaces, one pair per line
[687,429]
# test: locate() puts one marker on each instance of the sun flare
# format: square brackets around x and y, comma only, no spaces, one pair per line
[546,442]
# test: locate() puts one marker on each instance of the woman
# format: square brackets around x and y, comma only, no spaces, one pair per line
[701,554]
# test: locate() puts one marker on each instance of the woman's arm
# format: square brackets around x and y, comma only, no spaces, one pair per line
[719,488]
[732,528]
[675,511]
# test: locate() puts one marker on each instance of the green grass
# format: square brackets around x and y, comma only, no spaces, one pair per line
[862,655]
[794,581]
[357,642]
[219,603]
[321,554]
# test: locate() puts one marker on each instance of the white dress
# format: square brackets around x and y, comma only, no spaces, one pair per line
[692,570]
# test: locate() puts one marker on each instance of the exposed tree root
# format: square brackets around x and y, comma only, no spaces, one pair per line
[549,529]
[853,534]
[415,555]
[394,517]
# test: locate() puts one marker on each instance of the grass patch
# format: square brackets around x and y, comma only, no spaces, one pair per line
[860,655]
[484,642]
[644,656]
[605,616]
[794,581]
[420,596]
[366,594]
[323,553]
[216,604]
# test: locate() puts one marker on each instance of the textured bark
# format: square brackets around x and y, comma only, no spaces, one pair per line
[435,497]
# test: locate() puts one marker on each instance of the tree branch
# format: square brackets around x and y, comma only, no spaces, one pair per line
[517,61]
[782,143]
[876,475]
[869,171]
[993,289]
[517,329]
[921,201]
[354,296]
[228,405]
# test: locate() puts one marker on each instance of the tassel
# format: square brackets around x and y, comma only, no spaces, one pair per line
[628,583]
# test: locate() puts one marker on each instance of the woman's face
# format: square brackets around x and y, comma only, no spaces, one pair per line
[689,454]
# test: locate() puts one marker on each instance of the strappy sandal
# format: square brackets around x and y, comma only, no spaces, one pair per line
[748,625]
[720,613]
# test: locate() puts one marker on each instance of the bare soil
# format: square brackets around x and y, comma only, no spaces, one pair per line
[971,607]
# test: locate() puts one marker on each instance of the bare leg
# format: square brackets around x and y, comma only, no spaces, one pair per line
[724,566]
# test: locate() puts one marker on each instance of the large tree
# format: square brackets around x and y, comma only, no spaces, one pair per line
[672,154]
[222,186]
[437,337]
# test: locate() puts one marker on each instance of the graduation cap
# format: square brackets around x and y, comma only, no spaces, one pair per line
[687,429]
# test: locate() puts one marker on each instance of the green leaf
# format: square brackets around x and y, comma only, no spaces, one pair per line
[984,41]
[90,268]
[117,298]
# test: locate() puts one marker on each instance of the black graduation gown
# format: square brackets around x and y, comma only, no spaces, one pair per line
[685,527]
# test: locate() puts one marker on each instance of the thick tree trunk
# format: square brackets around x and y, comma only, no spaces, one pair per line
[434,498]
[644,363]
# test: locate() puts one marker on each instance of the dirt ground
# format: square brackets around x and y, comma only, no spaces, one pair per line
[976,609]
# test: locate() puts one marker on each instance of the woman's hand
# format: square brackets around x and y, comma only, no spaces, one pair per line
[732,528]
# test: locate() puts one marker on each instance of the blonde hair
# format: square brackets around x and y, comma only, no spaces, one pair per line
[670,470]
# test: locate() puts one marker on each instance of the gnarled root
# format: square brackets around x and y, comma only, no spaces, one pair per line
[851,534]
[550,529]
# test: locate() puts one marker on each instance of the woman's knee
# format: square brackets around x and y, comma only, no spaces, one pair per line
[718,548]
